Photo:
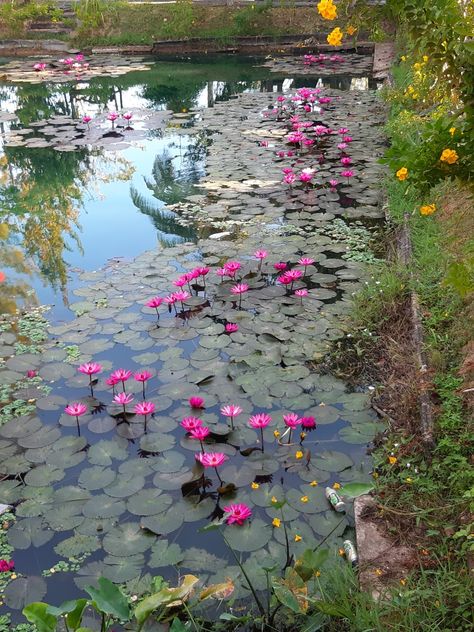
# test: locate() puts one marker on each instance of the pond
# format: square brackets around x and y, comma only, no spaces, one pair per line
[99,217]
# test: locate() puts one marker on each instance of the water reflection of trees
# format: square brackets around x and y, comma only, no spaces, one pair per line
[173,179]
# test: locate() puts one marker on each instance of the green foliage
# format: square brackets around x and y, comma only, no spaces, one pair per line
[14,17]
[180,22]
[96,13]
[248,21]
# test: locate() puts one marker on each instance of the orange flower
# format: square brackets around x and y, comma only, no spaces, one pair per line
[350,30]
[449,156]
[427,209]
[298,538]
[392,460]
[336,486]
[402,174]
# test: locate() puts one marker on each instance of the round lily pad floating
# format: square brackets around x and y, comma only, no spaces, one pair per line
[29,532]
[43,475]
[125,485]
[197,559]
[127,539]
[94,478]
[165,522]
[65,517]
[250,536]
[77,545]
[149,502]
[122,569]
[103,506]
[23,591]
[165,554]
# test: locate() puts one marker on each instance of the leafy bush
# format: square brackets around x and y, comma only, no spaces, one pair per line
[249,21]
[180,21]
[13,18]
[97,13]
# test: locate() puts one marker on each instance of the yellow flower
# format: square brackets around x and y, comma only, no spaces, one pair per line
[335,37]
[255,485]
[336,486]
[274,499]
[450,156]
[341,552]
[276,522]
[327,9]
[428,209]
[378,572]
[392,460]
[276,434]
[318,573]
[298,538]
[403,582]
[425,58]
[13,576]
[313,483]
[375,474]
[452,130]
[299,455]
[409,480]
[403,58]
[417,66]
[304,499]
[402,174]
[350,30]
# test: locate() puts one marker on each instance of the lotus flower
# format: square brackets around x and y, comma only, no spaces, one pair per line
[142,376]
[292,421]
[305,261]
[181,297]
[212,459]
[196,402]
[155,302]
[112,117]
[128,117]
[301,293]
[347,173]
[90,368]
[39,67]
[6,566]
[346,161]
[123,399]
[308,422]
[31,373]
[239,289]
[238,513]
[231,411]
[231,267]
[200,433]
[333,183]
[260,420]
[231,328]
[190,423]
[121,375]
[145,409]
[77,409]
[280,266]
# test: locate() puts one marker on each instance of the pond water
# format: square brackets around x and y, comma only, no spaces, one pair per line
[89,231]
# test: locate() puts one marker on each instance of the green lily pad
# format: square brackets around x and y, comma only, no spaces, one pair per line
[125,485]
[165,522]
[105,451]
[170,461]
[43,475]
[23,591]
[65,517]
[103,506]
[149,502]
[89,574]
[122,569]
[77,545]
[38,505]
[165,554]
[316,500]
[251,536]
[157,442]
[332,461]
[97,477]
[10,491]
[127,539]
[28,532]
[201,560]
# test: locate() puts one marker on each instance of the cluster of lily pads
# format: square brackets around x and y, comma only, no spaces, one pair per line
[307,136]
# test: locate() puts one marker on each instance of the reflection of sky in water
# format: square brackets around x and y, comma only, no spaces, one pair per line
[109,223]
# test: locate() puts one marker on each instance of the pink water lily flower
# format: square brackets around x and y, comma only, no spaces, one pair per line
[155,302]
[123,398]
[211,459]
[39,67]
[200,433]
[342,131]
[289,178]
[122,375]
[348,173]
[190,423]
[86,119]
[280,266]
[77,409]
[346,161]
[181,282]
[333,183]
[305,261]
[260,254]
[238,513]
[301,293]
[127,116]
[308,422]
[342,146]
[347,139]
[231,267]
[231,328]
[196,402]
[231,411]
[113,116]
[292,420]
[238,290]
[181,297]
[6,566]
[284,280]
[144,408]
[170,299]
[142,376]
[286,170]
[306,176]
[31,373]
[90,368]
[260,420]
[203,271]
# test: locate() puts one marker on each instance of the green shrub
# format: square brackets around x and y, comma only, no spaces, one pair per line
[14,18]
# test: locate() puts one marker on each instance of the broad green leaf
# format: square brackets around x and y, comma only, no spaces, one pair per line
[285,596]
[74,617]
[165,597]
[352,490]
[37,613]
[109,599]
[310,562]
